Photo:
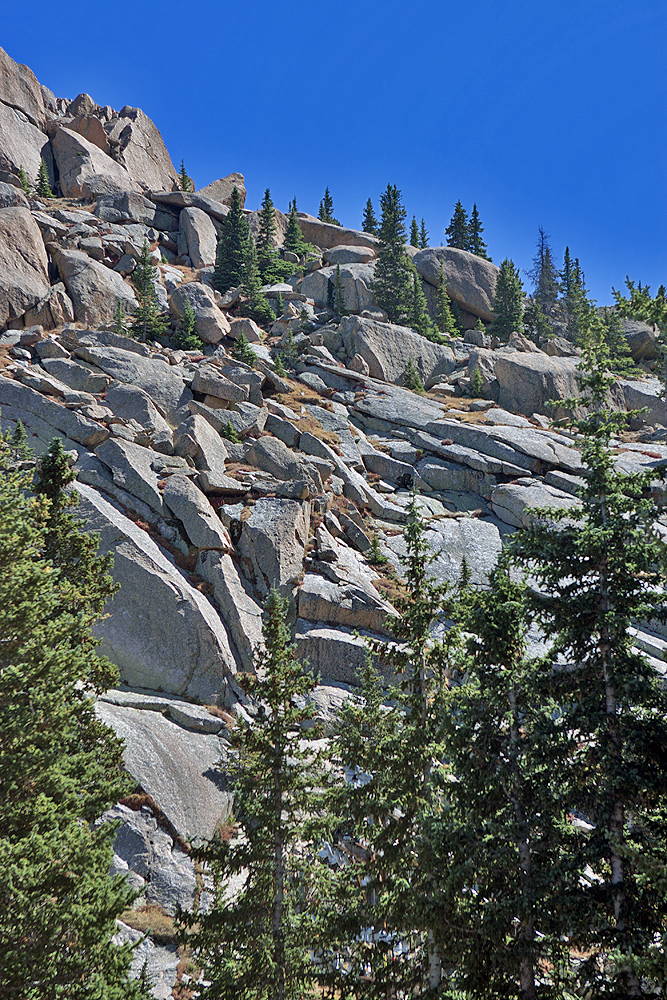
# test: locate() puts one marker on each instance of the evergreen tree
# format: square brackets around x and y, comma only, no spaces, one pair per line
[575,299]
[184,182]
[457,232]
[444,319]
[257,306]
[119,320]
[294,240]
[339,296]
[232,250]
[185,337]
[369,223]
[546,286]
[412,378]
[24,180]
[420,321]
[242,351]
[596,575]
[147,322]
[325,213]
[620,359]
[476,244]
[60,769]
[43,186]
[255,944]
[393,285]
[640,304]
[507,302]
[414,233]
[423,235]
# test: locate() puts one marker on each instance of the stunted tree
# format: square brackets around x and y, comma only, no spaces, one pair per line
[232,250]
[457,232]
[393,284]
[546,287]
[420,321]
[43,185]
[507,302]
[184,181]
[640,304]
[257,306]
[369,223]
[325,213]
[414,233]
[444,318]
[147,322]
[294,241]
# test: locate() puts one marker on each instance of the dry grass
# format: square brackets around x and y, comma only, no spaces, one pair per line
[388,583]
[153,921]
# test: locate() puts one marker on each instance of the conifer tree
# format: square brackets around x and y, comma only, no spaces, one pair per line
[507,302]
[423,235]
[476,244]
[597,574]
[412,378]
[369,223]
[546,286]
[339,295]
[414,233]
[24,181]
[255,944]
[185,337]
[444,319]
[119,320]
[640,304]
[325,213]
[147,322]
[294,240]
[232,250]
[60,769]
[420,321]
[43,185]
[457,232]
[184,182]
[257,306]
[575,299]
[393,285]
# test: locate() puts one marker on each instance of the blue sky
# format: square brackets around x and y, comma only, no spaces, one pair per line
[543,113]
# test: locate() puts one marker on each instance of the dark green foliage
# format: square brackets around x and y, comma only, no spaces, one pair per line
[476,383]
[184,182]
[325,213]
[242,351]
[232,250]
[393,272]
[14,446]
[414,233]
[420,321]
[620,359]
[507,302]
[185,338]
[369,223]
[575,300]
[119,320]
[640,304]
[596,576]
[147,322]
[339,295]
[24,181]
[476,244]
[546,286]
[377,556]
[271,267]
[458,232]
[43,185]
[257,306]
[423,235]
[229,433]
[411,377]
[294,240]
[256,946]
[60,769]
[444,319]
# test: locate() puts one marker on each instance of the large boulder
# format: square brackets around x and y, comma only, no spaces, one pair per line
[211,324]
[141,149]
[470,280]
[20,89]
[200,236]
[161,632]
[188,199]
[23,145]
[128,206]
[45,418]
[273,456]
[356,279]
[53,310]
[527,382]
[221,190]
[387,348]
[325,236]
[273,543]
[24,277]
[641,339]
[645,395]
[85,171]
[95,290]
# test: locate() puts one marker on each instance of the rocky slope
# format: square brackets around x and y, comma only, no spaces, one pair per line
[200,527]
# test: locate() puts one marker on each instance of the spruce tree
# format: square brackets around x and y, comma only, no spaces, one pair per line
[325,213]
[597,573]
[60,769]
[339,295]
[640,304]
[411,377]
[24,181]
[43,185]
[147,323]
[232,250]
[294,240]
[457,232]
[393,286]
[423,235]
[507,302]
[255,944]
[185,337]
[420,321]
[119,320]
[546,286]
[184,182]
[444,319]
[476,244]
[414,233]
[369,223]
[257,306]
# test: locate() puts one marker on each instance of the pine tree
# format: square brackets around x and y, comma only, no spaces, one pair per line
[393,272]
[147,322]
[339,296]
[255,944]
[640,304]
[24,181]
[325,213]
[185,337]
[575,299]
[596,575]
[507,302]
[60,769]
[620,359]
[294,240]
[242,351]
[257,306]
[411,377]
[184,182]
[423,235]
[43,185]
[476,244]
[232,250]
[457,232]
[444,319]
[369,223]
[119,320]
[414,233]
[546,286]
[420,321]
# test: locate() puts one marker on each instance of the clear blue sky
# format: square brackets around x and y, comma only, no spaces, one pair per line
[543,113]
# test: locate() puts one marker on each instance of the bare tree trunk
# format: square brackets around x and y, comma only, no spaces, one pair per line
[278,887]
